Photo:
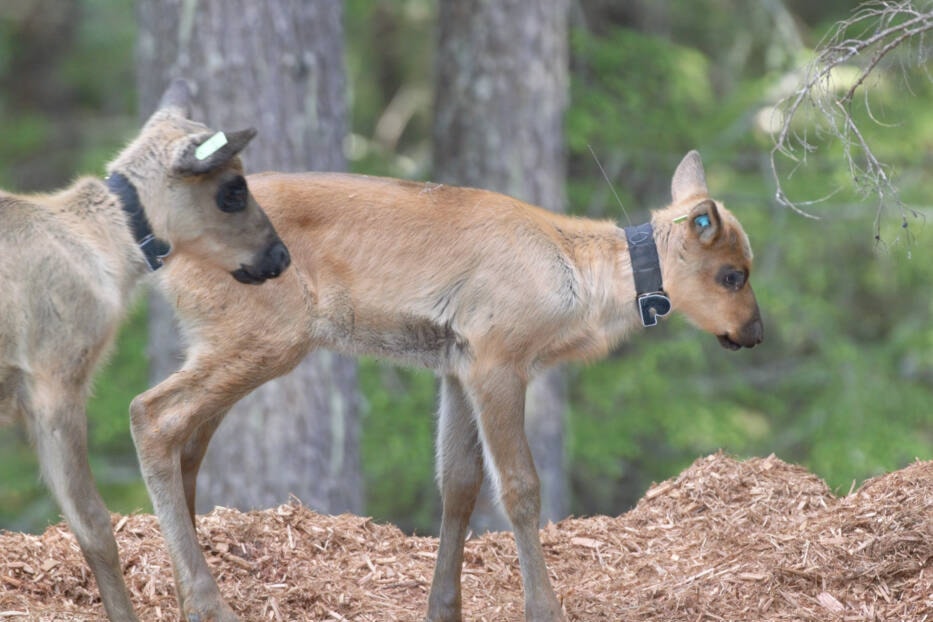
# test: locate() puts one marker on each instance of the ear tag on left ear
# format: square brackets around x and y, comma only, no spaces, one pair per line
[702,221]
[210,146]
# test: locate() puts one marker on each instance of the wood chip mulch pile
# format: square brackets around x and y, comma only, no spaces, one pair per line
[725,540]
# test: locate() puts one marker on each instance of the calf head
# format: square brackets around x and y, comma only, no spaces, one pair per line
[708,261]
[190,184]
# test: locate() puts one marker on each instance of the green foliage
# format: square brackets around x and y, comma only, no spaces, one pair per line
[23,505]
[31,132]
[618,111]
[609,97]
[107,36]
[397,445]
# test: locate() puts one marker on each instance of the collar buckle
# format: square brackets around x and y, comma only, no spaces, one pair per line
[155,250]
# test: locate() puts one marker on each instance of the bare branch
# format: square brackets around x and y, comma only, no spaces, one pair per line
[884,27]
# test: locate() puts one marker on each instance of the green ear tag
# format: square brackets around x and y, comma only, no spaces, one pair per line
[702,221]
[210,146]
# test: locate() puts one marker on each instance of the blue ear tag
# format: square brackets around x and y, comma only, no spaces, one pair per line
[702,221]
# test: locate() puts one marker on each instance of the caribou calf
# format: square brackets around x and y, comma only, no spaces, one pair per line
[70,265]
[480,287]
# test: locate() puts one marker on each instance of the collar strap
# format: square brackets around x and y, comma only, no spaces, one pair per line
[650,297]
[153,248]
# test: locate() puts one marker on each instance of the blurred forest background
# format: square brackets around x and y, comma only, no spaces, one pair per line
[844,381]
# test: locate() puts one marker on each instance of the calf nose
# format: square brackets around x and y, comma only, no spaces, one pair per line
[754,333]
[276,260]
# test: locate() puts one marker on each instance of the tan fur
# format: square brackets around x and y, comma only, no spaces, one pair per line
[69,270]
[480,287]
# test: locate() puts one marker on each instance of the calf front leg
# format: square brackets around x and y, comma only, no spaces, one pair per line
[499,396]
[164,419]
[459,476]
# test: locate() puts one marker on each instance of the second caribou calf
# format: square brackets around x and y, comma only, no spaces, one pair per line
[71,263]
[480,287]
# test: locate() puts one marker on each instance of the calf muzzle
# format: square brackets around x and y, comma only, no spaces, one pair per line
[273,261]
[749,336]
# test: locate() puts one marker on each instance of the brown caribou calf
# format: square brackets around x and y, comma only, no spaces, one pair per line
[480,287]
[73,260]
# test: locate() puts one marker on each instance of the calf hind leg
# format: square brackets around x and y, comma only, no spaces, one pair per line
[59,428]
[460,474]
[499,396]
[192,455]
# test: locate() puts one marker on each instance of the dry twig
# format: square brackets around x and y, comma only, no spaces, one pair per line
[883,27]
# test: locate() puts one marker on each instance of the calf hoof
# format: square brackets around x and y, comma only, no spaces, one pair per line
[547,612]
[444,609]
[219,614]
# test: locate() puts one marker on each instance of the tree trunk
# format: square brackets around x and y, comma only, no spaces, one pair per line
[501,92]
[277,66]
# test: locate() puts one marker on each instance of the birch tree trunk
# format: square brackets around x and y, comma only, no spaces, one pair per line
[277,66]
[501,92]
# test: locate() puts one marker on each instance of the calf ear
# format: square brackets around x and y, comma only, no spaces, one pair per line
[203,153]
[689,179]
[178,96]
[705,222]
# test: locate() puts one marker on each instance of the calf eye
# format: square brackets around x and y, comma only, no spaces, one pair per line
[232,195]
[732,278]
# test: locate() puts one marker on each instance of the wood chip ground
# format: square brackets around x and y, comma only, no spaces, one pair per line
[725,540]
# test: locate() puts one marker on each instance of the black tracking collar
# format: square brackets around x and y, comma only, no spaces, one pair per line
[650,296]
[153,248]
